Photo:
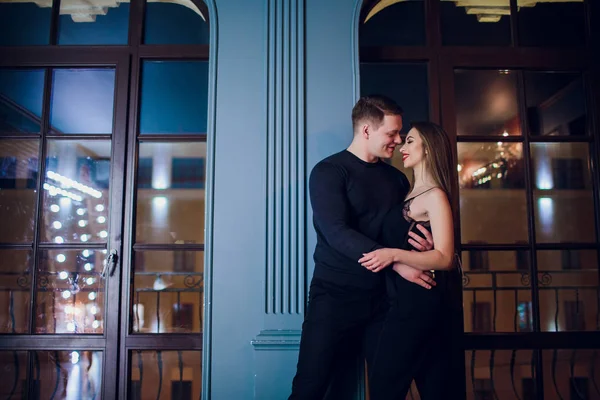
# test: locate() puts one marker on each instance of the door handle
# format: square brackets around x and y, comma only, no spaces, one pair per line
[110,264]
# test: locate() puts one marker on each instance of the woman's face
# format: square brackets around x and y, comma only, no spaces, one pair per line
[412,150]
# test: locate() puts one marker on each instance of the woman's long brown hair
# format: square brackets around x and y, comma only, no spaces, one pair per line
[439,160]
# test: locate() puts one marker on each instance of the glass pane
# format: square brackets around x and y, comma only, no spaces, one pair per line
[497,291]
[476,23]
[76,191]
[165,375]
[170,194]
[174,97]
[15,286]
[491,186]
[407,84]
[25,23]
[563,198]
[176,22]
[93,22]
[169,291]
[500,374]
[70,292]
[571,374]
[82,101]
[13,384]
[393,24]
[551,22]
[569,290]
[18,194]
[71,374]
[555,104]
[486,103]
[21,97]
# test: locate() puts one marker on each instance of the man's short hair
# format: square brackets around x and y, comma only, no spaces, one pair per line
[374,108]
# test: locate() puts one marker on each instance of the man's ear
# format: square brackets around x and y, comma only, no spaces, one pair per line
[365,130]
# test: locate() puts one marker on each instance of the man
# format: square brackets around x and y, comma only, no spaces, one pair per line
[350,192]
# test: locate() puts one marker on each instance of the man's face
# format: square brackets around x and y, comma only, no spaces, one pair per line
[383,140]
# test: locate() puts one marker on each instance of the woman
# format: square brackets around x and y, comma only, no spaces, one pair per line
[413,341]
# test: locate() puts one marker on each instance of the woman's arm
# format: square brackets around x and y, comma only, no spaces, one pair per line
[442,228]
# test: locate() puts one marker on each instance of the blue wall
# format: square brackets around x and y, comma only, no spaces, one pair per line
[284,94]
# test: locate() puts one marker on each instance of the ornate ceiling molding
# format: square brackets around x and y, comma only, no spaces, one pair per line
[485,10]
[87,10]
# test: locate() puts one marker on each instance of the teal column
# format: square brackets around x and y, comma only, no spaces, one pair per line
[277,343]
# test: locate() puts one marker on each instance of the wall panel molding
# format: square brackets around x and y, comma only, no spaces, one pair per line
[285,270]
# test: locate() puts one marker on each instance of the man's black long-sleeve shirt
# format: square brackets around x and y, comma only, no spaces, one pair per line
[350,199]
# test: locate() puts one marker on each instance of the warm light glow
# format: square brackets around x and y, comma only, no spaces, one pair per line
[159,201]
[71,328]
[85,253]
[64,201]
[59,240]
[54,208]
[61,258]
[82,223]
[459,167]
[70,183]
[89,281]
[505,134]
[103,234]
[66,294]
[101,219]
[57,225]
[95,324]
[88,266]
[74,355]
[84,238]
[99,208]
[63,275]
[92,296]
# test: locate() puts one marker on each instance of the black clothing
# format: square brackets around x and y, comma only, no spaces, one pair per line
[350,199]
[413,342]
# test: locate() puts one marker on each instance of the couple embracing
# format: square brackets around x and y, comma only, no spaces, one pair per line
[384,256]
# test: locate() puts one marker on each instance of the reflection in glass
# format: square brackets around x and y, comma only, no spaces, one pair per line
[555,104]
[569,290]
[70,292]
[174,97]
[563,199]
[491,188]
[486,103]
[497,291]
[21,93]
[551,23]
[571,374]
[13,384]
[165,375]
[25,23]
[71,374]
[170,194]
[476,22]
[176,22]
[76,191]
[15,285]
[93,22]
[18,180]
[82,101]
[393,24]
[168,291]
[500,374]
